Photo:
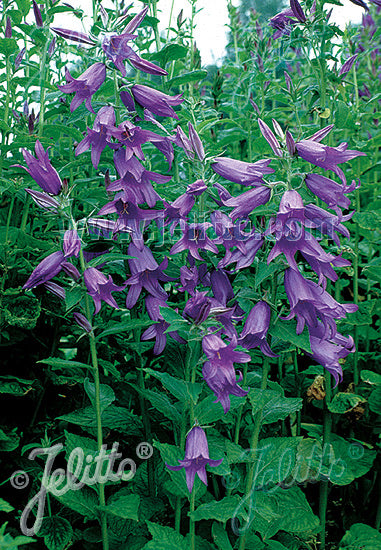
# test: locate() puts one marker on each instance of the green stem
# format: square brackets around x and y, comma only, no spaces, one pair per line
[170,18]
[356,376]
[155,28]
[97,406]
[296,372]
[240,410]
[5,269]
[327,429]
[6,111]
[192,524]
[253,446]
[117,98]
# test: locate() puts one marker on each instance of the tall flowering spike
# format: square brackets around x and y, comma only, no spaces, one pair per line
[157,102]
[76,36]
[326,157]
[347,66]
[37,14]
[297,10]
[255,330]
[41,170]
[46,270]
[238,171]
[196,142]
[196,457]
[71,243]
[99,287]
[270,138]
[84,86]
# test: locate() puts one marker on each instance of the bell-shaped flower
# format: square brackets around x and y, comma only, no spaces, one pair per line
[309,302]
[46,270]
[71,243]
[248,201]
[99,287]
[196,457]
[85,86]
[157,102]
[194,237]
[145,273]
[220,354]
[326,223]
[330,192]
[99,137]
[243,257]
[44,200]
[245,173]
[223,382]
[198,307]
[255,329]
[41,170]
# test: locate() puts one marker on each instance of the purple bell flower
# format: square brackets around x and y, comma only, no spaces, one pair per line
[188,278]
[8,27]
[196,142]
[37,14]
[270,138]
[330,192]
[157,102]
[46,270]
[145,273]
[326,157]
[84,86]
[326,223]
[248,201]
[245,173]
[99,137]
[44,200]
[55,289]
[194,237]
[308,301]
[297,10]
[246,257]
[99,287]
[196,457]
[76,36]
[282,23]
[255,330]
[347,66]
[82,321]
[198,307]
[41,170]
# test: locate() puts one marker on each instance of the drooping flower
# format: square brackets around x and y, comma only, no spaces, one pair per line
[157,102]
[248,201]
[326,157]
[145,273]
[46,270]
[245,173]
[196,457]
[82,321]
[99,137]
[84,86]
[41,170]
[308,302]
[255,330]
[243,257]
[180,207]
[194,237]
[326,223]
[282,23]
[329,191]
[198,307]
[99,287]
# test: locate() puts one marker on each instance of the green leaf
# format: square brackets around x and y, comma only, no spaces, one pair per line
[56,131]
[22,311]
[9,441]
[125,507]
[116,418]
[59,364]
[124,326]
[273,405]
[375,400]
[344,402]
[220,537]
[5,506]
[286,331]
[368,219]
[221,510]
[370,377]
[207,412]
[57,532]
[23,6]
[185,78]
[164,538]
[107,395]
[8,46]
[361,536]
[282,510]
[276,458]
[162,403]
[183,391]
[175,320]
[265,271]
[84,502]
[170,52]
[73,296]
[341,114]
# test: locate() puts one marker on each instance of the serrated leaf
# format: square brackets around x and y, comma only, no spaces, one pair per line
[221,510]
[370,377]
[5,506]
[164,538]
[84,502]
[361,536]
[220,537]
[116,418]
[163,404]
[183,391]
[107,395]
[207,412]
[125,507]
[344,402]
[57,532]
[185,78]
[286,331]
[57,363]
[119,328]
[273,405]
